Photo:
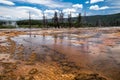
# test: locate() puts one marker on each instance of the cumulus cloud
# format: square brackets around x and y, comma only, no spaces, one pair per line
[22,12]
[68,10]
[95,1]
[50,13]
[73,9]
[7,2]
[77,6]
[96,7]
[87,2]
[15,13]
[74,14]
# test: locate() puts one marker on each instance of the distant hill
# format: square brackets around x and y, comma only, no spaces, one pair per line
[103,20]
[96,20]
[106,20]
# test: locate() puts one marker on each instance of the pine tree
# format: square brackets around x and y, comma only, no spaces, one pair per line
[61,18]
[44,21]
[79,20]
[55,19]
[70,20]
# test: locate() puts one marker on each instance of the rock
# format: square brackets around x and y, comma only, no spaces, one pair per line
[21,78]
[7,70]
[66,69]
[7,77]
[33,71]
[89,77]
[29,63]
[9,67]
[26,77]
[33,56]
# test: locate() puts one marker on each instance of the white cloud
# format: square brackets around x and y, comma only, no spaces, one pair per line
[114,11]
[33,10]
[68,10]
[7,2]
[104,7]
[74,14]
[15,13]
[113,3]
[48,3]
[87,2]
[95,1]
[50,11]
[96,7]
[74,9]
[77,6]
[22,12]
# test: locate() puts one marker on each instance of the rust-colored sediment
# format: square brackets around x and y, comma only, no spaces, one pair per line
[62,59]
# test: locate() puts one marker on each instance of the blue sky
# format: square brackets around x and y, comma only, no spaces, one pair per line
[19,9]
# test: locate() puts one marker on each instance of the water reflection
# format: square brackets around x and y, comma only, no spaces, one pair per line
[69,38]
[85,44]
[94,52]
[55,36]
[44,38]
[61,37]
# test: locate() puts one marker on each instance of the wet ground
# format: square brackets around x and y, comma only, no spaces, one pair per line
[60,54]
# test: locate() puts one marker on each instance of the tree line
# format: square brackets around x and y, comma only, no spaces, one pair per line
[59,21]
